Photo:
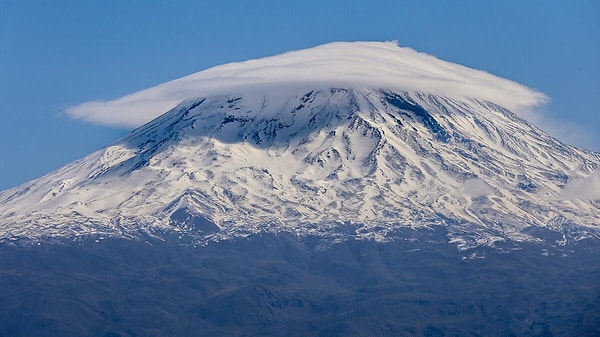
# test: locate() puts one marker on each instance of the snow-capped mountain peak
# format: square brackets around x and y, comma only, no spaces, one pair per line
[346,160]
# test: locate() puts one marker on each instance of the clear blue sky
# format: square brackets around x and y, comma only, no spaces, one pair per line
[55,54]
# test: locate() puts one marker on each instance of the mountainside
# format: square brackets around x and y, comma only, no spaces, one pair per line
[279,285]
[334,162]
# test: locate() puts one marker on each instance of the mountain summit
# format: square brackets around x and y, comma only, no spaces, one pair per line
[345,139]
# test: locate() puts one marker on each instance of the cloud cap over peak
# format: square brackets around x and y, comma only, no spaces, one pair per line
[376,65]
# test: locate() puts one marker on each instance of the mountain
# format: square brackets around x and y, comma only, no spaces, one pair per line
[358,161]
[313,186]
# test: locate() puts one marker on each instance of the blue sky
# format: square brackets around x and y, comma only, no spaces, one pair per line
[54,55]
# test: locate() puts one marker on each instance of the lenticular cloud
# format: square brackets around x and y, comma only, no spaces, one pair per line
[374,65]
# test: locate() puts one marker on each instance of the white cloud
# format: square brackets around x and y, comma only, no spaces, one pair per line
[584,188]
[568,132]
[476,187]
[341,64]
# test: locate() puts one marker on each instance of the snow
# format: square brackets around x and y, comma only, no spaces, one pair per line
[373,65]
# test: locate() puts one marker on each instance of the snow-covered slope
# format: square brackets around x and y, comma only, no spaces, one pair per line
[355,159]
